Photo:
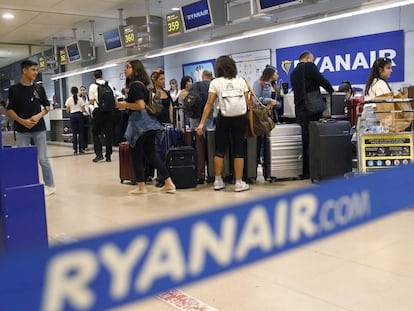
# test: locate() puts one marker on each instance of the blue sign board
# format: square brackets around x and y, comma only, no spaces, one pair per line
[122,267]
[348,59]
[195,70]
[112,40]
[197,15]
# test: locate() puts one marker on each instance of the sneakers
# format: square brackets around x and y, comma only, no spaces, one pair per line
[108,158]
[81,151]
[138,191]
[168,189]
[219,184]
[98,158]
[242,186]
[49,190]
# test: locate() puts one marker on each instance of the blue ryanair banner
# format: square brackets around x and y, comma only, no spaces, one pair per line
[348,59]
[119,268]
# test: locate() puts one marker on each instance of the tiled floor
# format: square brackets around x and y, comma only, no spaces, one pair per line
[370,268]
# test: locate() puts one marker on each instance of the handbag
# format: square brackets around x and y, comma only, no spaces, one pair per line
[258,120]
[154,105]
[314,101]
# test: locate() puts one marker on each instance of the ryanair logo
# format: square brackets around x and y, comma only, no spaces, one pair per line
[286,65]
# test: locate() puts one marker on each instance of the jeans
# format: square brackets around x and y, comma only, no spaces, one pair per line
[145,150]
[39,138]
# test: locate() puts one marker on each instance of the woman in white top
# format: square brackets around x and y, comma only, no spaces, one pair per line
[174,91]
[76,107]
[86,116]
[231,91]
[377,85]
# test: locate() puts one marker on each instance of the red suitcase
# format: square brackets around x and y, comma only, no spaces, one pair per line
[126,167]
[191,138]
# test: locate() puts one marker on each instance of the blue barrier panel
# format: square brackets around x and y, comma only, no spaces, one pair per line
[118,268]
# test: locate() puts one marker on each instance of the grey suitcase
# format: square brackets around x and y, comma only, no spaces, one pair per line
[283,152]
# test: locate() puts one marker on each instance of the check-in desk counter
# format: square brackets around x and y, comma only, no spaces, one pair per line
[60,129]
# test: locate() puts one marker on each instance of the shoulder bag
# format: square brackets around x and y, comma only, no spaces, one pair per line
[258,120]
[314,101]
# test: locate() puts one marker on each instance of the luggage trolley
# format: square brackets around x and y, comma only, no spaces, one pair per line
[384,134]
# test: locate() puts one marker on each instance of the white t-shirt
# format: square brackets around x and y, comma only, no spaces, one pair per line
[220,84]
[93,90]
[378,87]
[70,102]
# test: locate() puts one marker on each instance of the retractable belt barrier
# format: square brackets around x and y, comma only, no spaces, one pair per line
[123,267]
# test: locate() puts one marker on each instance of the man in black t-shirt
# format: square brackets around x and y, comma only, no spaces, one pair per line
[28,104]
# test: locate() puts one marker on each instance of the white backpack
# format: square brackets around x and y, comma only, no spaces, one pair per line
[231,100]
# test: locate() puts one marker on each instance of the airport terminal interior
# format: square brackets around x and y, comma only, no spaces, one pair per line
[367,268]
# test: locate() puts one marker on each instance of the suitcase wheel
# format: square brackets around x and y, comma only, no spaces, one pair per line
[122,181]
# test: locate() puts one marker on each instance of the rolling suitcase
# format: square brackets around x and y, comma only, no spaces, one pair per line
[181,163]
[283,152]
[126,167]
[197,142]
[330,149]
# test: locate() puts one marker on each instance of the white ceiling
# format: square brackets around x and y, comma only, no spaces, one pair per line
[41,23]
[49,21]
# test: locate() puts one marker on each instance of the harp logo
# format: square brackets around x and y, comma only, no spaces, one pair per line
[286,65]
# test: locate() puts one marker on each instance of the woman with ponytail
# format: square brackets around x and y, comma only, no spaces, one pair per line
[75,105]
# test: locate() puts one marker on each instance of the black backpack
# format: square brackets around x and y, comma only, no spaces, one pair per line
[106,99]
[194,103]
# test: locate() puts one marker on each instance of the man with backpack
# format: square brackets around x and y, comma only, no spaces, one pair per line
[102,98]
[196,99]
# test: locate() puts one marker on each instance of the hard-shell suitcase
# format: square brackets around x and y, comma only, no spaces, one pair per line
[126,167]
[330,149]
[181,163]
[283,152]
[197,142]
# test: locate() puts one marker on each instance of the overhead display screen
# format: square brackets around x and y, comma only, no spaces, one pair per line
[112,40]
[129,36]
[174,24]
[275,4]
[197,15]
[73,52]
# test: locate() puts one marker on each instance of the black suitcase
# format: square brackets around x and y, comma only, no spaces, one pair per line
[181,163]
[330,149]
[191,138]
